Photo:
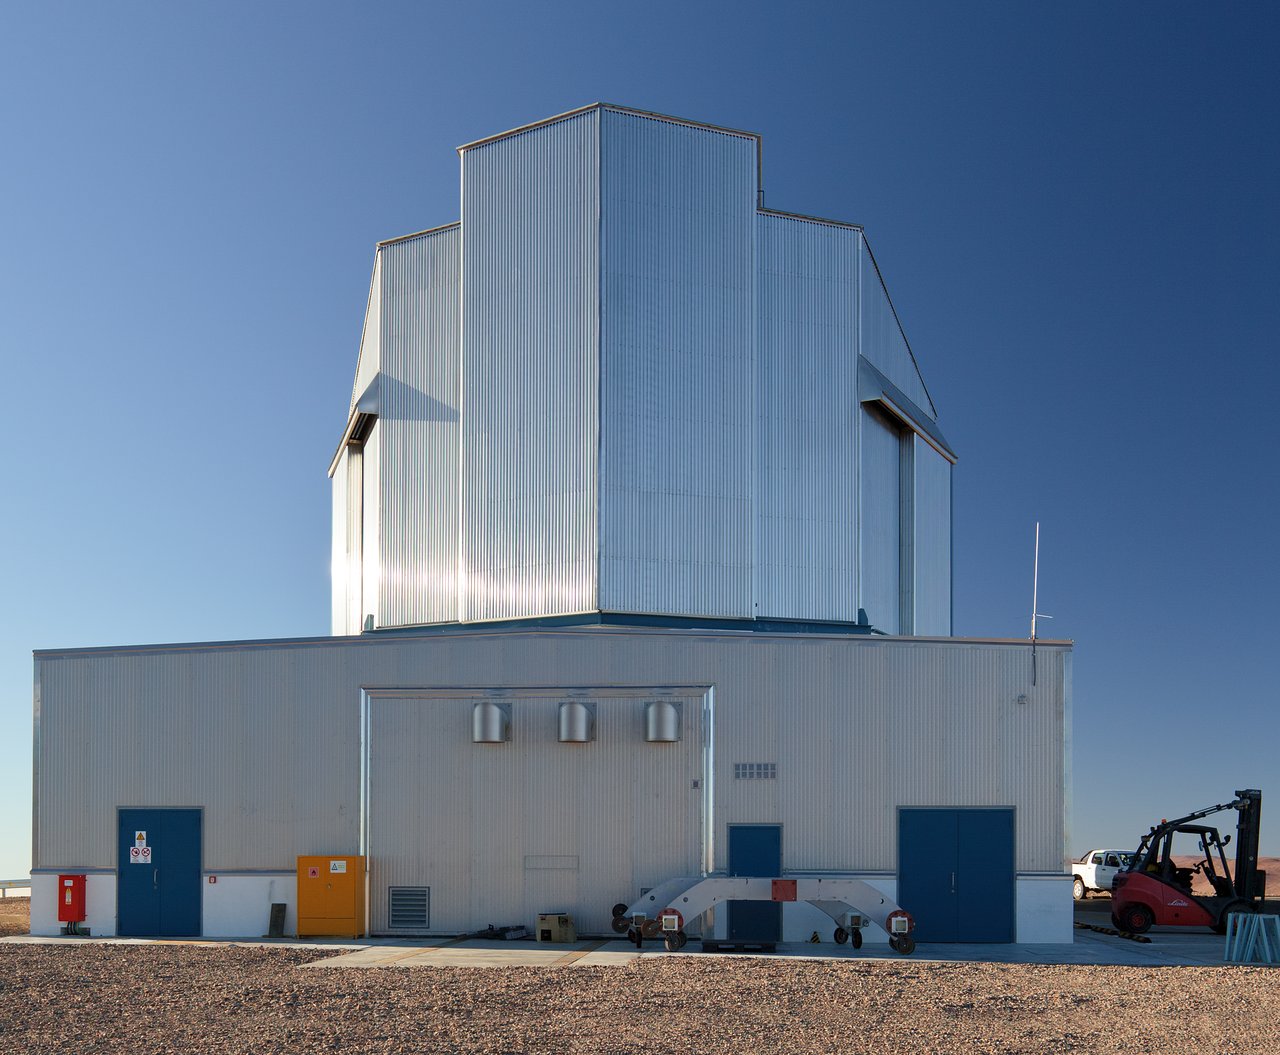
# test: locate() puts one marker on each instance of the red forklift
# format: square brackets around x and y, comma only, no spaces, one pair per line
[1154,889]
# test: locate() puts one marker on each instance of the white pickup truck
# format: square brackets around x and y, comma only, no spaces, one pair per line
[1096,870]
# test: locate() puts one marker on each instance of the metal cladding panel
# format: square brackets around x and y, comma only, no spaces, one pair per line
[338,550]
[677,368]
[354,458]
[369,361]
[266,739]
[503,832]
[530,251]
[880,523]
[882,340]
[900,723]
[932,541]
[419,423]
[266,745]
[370,515]
[807,420]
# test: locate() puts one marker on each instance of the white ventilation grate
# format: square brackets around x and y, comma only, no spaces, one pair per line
[755,771]
[408,907]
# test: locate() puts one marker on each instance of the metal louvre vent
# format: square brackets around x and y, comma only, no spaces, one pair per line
[755,771]
[408,907]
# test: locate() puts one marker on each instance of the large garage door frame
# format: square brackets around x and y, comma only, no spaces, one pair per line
[698,727]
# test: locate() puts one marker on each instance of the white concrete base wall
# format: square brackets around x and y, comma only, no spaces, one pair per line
[236,906]
[1044,914]
[100,905]
[1046,911]
[239,906]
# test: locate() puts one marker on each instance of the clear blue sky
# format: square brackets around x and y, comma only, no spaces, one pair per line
[1076,208]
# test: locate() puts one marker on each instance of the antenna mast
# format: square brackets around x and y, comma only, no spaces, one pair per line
[1035,612]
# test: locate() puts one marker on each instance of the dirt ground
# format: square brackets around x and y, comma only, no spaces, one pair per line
[154,999]
[15,915]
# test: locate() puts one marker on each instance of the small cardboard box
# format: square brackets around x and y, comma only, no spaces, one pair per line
[556,927]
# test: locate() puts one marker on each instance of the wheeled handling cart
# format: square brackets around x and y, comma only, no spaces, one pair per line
[851,903]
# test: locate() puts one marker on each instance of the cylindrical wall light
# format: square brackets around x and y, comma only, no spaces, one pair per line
[577,722]
[490,722]
[661,722]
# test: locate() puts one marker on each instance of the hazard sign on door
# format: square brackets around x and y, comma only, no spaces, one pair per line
[139,852]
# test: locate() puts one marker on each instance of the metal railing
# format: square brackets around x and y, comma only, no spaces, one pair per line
[14,884]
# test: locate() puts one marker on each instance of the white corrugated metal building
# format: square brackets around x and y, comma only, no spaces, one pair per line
[621,438]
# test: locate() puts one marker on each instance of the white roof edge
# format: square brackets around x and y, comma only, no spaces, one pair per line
[442,632]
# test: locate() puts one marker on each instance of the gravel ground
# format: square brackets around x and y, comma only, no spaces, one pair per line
[175,998]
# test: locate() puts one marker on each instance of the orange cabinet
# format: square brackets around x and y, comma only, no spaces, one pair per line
[331,896]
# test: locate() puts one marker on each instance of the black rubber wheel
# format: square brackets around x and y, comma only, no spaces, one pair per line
[1136,919]
[675,940]
[840,936]
[1234,906]
[1078,891]
[618,910]
[621,924]
[905,944]
[651,928]
[856,939]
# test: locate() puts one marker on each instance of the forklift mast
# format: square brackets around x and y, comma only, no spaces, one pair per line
[1249,882]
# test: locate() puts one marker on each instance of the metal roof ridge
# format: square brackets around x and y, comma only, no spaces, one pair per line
[616,108]
[418,234]
[805,217]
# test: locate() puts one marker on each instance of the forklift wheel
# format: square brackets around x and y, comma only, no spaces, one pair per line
[621,924]
[856,938]
[1235,906]
[841,936]
[904,943]
[1136,919]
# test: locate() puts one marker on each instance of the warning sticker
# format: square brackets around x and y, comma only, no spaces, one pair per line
[135,855]
[139,838]
[337,866]
[144,854]
[313,872]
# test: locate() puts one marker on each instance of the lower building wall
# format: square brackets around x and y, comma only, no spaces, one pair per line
[1046,910]
[239,906]
[100,902]
[349,746]
[232,906]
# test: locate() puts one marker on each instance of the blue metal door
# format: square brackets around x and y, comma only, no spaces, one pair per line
[985,893]
[956,873]
[927,846]
[158,873]
[755,850]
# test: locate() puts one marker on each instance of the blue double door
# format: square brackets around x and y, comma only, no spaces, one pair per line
[956,873]
[158,892]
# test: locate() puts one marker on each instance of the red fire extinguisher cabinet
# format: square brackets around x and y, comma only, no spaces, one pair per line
[71,899]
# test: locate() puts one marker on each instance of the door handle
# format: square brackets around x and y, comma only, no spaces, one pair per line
[155,878]
[953,882]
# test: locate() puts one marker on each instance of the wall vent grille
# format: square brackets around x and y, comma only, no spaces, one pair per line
[409,907]
[755,771]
